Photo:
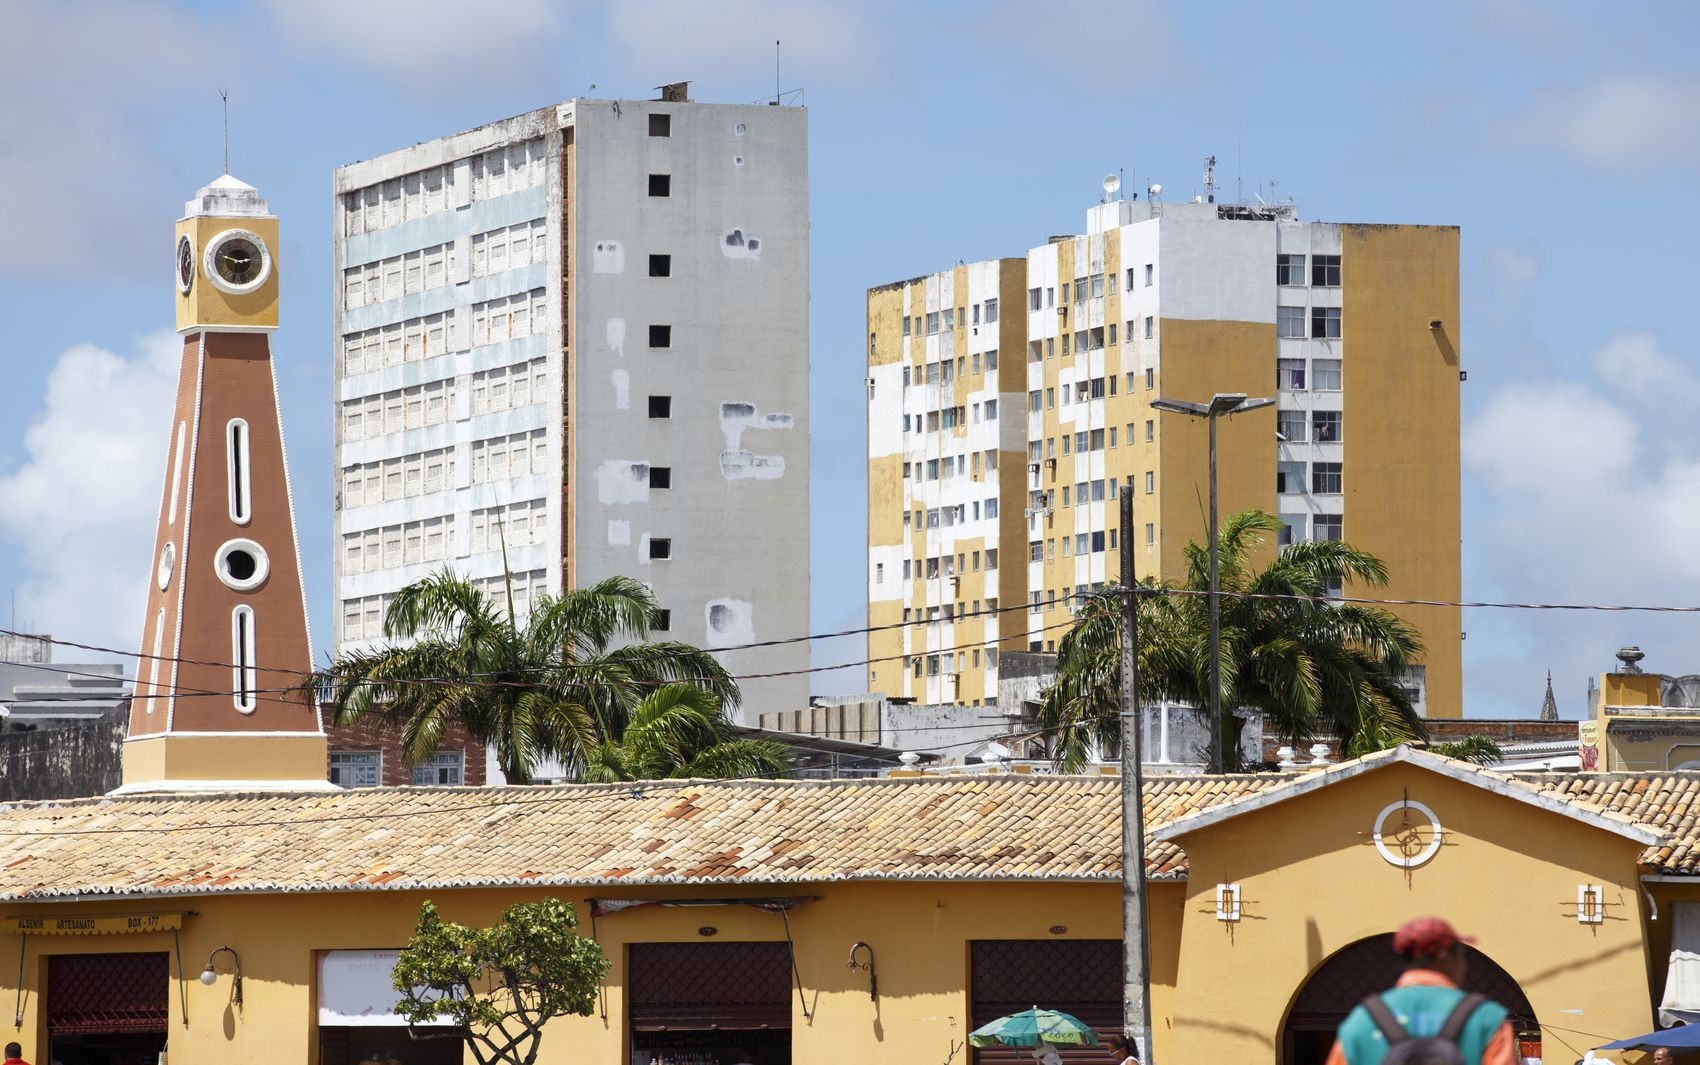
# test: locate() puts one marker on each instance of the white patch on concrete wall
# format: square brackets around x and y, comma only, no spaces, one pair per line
[730,622]
[619,533]
[622,389]
[747,465]
[622,481]
[739,245]
[885,411]
[608,258]
[617,336]
[736,417]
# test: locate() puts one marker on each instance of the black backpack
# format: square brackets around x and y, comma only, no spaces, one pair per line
[1406,1049]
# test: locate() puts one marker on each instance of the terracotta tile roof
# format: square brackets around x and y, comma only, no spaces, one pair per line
[729,832]
[1667,802]
[970,828]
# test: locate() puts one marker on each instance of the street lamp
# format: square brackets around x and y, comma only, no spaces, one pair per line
[1221,403]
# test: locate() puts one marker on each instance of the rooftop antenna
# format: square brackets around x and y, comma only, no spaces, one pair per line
[776,82]
[1210,179]
[1239,165]
[224,95]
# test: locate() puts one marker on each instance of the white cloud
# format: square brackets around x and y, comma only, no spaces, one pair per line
[1592,495]
[442,46]
[83,505]
[1035,36]
[1618,122]
[79,158]
[732,41]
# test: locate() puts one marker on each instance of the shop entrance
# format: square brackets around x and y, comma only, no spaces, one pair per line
[1369,965]
[709,1003]
[107,1009]
[358,1024]
[1078,976]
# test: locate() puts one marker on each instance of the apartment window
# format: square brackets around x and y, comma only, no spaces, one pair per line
[1150,379]
[1150,274]
[1292,529]
[1150,430]
[660,547]
[1050,399]
[445,768]
[661,184]
[660,125]
[1097,285]
[660,265]
[1150,481]
[1326,478]
[1325,375]
[1290,322]
[1150,534]
[1112,334]
[356,769]
[1035,299]
[661,477]
[1289,270]
[1065,291]
[991,360]
[660,406]
[1329,526]
[1289,477]
[1150,327]
[991,410]
[1325,271]
[991,311]
[1036,551]
[1290,426]
[660,336]
[1326,426]
[1290,374]
[1325,323]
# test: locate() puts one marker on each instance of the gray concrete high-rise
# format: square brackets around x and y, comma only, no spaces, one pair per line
[581,334]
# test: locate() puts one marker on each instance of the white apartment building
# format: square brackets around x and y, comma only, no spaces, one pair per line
[580,335]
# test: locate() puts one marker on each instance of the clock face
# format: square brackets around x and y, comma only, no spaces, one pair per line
[237,261]
[185,265]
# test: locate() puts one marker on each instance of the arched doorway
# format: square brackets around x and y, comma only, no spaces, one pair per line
[1367,966]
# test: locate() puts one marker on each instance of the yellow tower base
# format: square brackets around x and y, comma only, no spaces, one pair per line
[187,761]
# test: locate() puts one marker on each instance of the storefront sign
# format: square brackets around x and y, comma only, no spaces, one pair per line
[355,989]
[91,925]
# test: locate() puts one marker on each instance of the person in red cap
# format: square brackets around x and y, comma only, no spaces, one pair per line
[1426,1018]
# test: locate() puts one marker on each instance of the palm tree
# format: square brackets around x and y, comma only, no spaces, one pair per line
[559,685]
[1475,748]
[679,731]
[1304,663]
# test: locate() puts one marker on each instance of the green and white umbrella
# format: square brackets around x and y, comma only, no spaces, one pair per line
[1030,1028]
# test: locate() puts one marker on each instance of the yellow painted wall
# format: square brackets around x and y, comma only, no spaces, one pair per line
[1200,359]
[205,306]
[1400,428]
[920,935]
[1312,883]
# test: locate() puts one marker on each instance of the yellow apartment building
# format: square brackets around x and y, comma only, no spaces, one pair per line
[1351,328]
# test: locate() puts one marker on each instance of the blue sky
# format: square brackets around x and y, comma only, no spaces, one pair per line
[1561,138]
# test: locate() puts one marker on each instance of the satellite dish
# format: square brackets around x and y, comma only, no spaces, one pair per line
[1112,184]
[1155,190]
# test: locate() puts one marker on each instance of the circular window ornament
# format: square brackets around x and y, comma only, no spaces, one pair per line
[167,563]
[242,565]
[237,261]
[1407,834]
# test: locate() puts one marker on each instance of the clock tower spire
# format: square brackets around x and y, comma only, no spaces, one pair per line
[224,642]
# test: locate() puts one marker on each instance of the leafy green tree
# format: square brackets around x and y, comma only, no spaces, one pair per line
[1307,665]
[679,731]
[559,685]
[1474,748]
[500,985]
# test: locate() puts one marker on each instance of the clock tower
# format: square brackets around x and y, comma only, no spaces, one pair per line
[225,648]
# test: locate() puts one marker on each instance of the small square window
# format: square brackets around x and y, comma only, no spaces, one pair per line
[661,477]
[660,406]
[661,184]
[1325,271]
[660,336]
[662,621]
[660,547]
[660,125]
[1325,323]
[660,266]
[1290,270]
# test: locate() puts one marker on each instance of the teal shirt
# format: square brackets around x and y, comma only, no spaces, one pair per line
[1421,1010]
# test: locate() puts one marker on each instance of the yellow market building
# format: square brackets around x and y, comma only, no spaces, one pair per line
[970,896]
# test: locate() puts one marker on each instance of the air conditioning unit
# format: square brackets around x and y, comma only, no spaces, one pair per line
[956,584]
[1051,464]
[1062,310]
[1032,467]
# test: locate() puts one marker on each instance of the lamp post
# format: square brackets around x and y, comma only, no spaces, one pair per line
[1221,403]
